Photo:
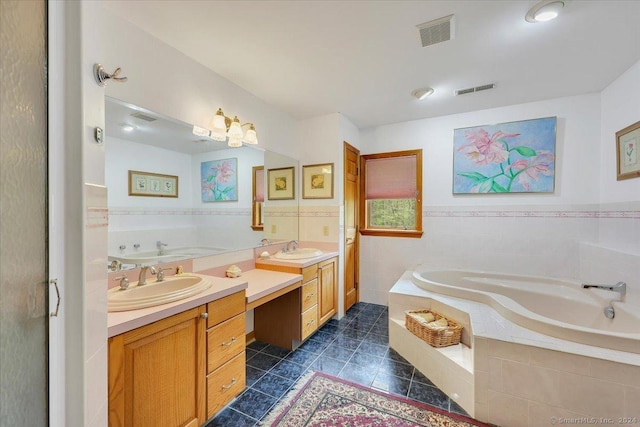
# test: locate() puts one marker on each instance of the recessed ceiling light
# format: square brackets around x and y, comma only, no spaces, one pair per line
[545,10]
[422,93]
[127,128]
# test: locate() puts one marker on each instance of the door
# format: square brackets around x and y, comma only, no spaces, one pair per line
[23,214]
[157,373]
[351,219]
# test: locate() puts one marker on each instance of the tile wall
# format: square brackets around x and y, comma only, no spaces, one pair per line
[542,387]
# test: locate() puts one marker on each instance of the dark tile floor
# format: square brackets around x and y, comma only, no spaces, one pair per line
[355,348]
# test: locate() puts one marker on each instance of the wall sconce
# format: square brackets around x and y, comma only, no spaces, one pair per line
[223,127]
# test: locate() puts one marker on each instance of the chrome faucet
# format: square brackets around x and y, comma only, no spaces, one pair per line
[160,247]
[293,243]
[264,242]
[620,287]
[142,279]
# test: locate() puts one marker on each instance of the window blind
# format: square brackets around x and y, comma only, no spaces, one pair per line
[391,178]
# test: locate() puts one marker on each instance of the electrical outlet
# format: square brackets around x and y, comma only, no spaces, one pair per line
[273,229]
[325,230]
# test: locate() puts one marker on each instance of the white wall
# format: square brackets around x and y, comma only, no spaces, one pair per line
[620,108]
[166,81]
[526,233]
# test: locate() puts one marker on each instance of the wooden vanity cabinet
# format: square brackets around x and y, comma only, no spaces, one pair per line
[157,373]
[226,339]
[179,371]
[296,315]
[328,287]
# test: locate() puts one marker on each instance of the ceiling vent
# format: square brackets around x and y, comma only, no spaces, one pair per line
[474,89]
[142,116]
[437,31]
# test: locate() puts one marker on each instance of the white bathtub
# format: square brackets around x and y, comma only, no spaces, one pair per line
[559,308]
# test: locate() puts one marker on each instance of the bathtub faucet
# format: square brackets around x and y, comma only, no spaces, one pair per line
[160,247]
[620,287]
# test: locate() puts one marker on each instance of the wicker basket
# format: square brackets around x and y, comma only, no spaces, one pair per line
[432,336]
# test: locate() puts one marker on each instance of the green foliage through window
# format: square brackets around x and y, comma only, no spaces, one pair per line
[392,213]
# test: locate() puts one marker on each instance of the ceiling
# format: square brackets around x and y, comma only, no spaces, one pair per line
[154,129]
[363,58]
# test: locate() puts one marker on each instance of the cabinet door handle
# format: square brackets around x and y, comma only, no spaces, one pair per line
[309,296]
[227,344]
[227,387]
[204,315]
[311,322]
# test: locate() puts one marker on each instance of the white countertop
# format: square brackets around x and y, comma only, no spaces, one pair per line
[296,263]
[124,321]
[264,282]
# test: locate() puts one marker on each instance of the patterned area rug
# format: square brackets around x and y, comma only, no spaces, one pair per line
[326,401]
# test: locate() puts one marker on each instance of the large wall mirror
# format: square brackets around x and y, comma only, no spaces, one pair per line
[151,159]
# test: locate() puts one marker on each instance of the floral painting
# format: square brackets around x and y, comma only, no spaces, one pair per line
[515,157]
[219,180]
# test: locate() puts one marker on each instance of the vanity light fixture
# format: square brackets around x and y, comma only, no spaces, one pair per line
[223,127]
[545,10]
[422,93]
[198,131]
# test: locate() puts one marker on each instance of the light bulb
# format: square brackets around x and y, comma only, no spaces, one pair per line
[235,130]
[251,137]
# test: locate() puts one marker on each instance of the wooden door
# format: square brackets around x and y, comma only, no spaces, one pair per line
[157,373]
[351,219]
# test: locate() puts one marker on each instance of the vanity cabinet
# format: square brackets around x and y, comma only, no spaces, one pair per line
[226,377]
[181,370]
[157,373]
[293,317]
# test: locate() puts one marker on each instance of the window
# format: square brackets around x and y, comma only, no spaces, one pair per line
[391,194]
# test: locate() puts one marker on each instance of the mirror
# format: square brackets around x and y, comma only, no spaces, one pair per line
[215,211]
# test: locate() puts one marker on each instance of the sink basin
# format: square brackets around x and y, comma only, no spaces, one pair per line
[156,293]
[300,253]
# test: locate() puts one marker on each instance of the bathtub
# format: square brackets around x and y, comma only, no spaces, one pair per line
[558,308]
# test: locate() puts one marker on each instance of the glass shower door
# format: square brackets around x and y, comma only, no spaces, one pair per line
[23,214]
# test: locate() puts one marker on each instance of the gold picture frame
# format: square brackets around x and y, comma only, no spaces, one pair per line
[627,154]
[148,184]
[282,184]
[317,181]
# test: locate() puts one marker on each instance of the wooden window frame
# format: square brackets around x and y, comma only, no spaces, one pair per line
[364,230]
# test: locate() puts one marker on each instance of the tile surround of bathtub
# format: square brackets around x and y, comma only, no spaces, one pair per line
[541,384]
[532,239]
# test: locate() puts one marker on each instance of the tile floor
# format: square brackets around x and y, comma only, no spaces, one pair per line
[355,348]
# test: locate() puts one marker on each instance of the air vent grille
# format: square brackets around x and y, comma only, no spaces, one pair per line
[436,31]
[142,116]
[475,89]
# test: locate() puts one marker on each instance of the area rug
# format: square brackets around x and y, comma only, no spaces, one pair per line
[326,401]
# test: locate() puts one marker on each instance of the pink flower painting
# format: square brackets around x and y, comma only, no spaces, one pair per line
[515,157]
[219,180]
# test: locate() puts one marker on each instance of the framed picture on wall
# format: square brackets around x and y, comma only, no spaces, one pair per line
[150,184]
[317,181]
[281,184]
[512,157]
[219,180]
[628,159]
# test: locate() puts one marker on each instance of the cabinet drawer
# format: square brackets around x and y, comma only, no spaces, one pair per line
[224,341]
[225,383]
[309,295]
[225,308]
[309,273]
[309,322]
